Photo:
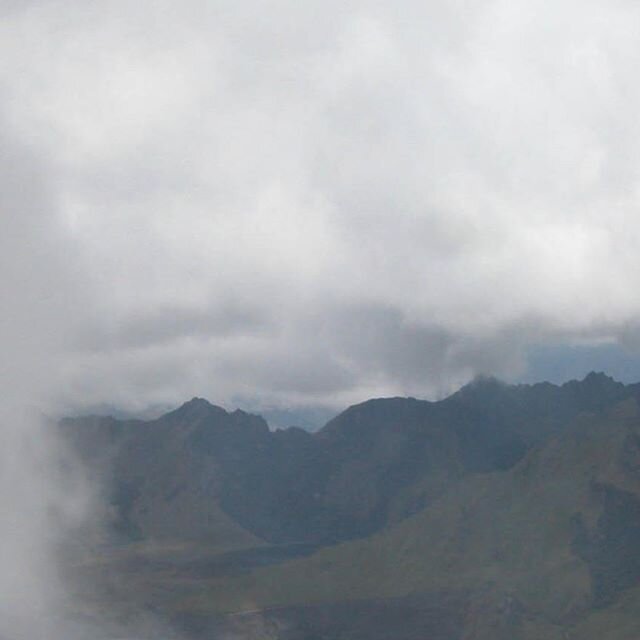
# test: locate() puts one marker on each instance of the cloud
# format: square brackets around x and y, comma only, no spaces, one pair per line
[40,501]
[318,203]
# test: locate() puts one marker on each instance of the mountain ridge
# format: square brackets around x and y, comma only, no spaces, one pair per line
[374,463]
[503,512]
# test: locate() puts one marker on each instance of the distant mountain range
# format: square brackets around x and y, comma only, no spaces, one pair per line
[499,512]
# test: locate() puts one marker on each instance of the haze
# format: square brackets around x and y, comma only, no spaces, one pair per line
[281,205]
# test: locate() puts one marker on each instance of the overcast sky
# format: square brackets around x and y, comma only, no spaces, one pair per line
[286,203]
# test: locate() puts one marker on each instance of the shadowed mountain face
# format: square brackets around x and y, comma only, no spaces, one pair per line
[500,512]
[201,472]
[549,548]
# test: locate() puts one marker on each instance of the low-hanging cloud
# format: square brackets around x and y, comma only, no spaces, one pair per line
[40,500]
[320,202]
[51,512]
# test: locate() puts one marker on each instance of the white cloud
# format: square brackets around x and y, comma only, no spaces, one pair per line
[240,182]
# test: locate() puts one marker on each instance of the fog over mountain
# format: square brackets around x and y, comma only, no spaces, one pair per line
[498,513]
[319,204]
[40,497]
[297,207]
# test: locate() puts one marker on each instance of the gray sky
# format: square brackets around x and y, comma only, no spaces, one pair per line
[283,203]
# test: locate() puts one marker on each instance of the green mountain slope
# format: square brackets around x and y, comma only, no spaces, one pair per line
[201,472]
[550,545]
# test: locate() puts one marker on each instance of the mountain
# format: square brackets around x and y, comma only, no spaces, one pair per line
[499,512]
[549,548]
[199,467]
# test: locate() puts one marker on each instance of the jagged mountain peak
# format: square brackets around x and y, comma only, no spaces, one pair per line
[196,408]
[599,379]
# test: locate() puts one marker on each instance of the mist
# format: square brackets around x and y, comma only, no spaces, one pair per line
[285,206]
[39,505]
[450,182]
[50,503]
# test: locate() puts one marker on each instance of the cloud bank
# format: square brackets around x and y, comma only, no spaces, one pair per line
[305,204]
[40,501]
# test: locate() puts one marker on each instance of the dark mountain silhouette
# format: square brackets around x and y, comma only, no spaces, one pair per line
[374,464]
[499,512]
[547,549]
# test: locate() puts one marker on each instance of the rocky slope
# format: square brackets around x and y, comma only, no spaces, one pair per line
[200,472]
[547,549]
[501,512]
